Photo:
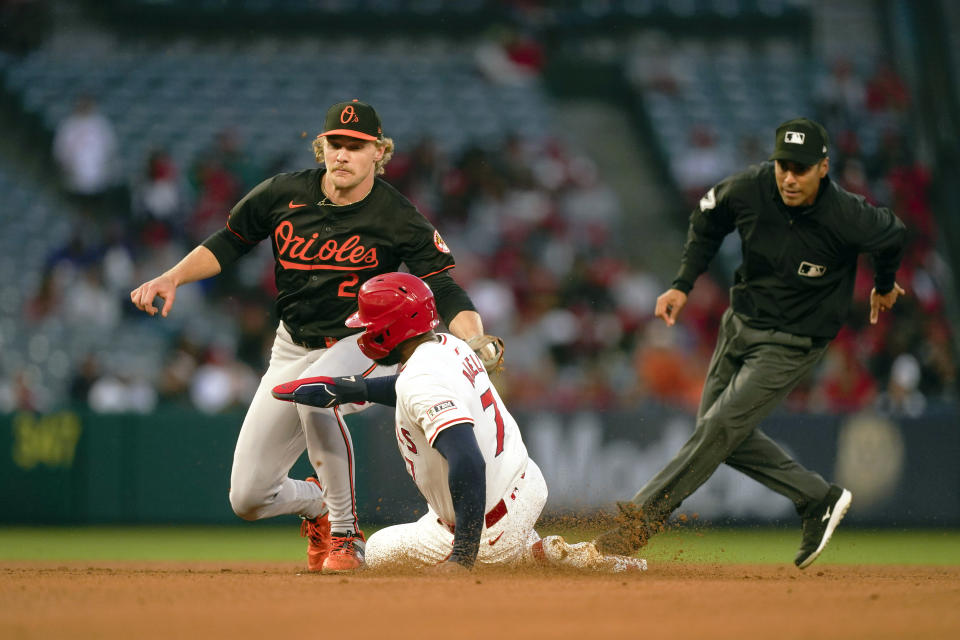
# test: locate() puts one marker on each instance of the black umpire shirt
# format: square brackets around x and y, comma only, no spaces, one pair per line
[325,252]
[799,263]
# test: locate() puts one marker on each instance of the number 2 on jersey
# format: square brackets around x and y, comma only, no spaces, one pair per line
[487,399]
[350,281]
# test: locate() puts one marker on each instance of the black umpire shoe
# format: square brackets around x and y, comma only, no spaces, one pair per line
[818,527]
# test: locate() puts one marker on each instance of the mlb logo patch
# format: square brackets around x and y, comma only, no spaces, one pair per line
[439,408]
[810,270]
[794,137]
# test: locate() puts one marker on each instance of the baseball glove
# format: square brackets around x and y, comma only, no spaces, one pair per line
[490,351]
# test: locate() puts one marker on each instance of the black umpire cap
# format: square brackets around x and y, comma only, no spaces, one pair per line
[801,140]
[355,119]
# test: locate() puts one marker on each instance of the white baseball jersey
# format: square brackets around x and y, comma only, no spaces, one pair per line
[443,384]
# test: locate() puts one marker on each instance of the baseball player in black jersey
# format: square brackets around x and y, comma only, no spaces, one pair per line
[801,235]
[331,228]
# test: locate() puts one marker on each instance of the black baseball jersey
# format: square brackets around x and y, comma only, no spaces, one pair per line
[325,252]
[799,263]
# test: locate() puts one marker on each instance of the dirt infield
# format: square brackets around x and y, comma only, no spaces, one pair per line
[671,600]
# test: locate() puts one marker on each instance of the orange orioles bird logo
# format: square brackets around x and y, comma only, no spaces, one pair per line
[439,243]
[348,115]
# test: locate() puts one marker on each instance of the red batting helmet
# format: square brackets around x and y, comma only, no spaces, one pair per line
[392,307]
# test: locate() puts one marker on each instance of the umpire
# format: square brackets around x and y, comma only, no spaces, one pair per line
[801,235]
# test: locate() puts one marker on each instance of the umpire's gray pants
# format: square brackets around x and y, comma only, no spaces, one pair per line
[751,371]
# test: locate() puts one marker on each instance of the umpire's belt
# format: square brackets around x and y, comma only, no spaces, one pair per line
[319,342]
[491,518]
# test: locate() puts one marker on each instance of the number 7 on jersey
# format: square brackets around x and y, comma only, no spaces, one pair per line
[487,400]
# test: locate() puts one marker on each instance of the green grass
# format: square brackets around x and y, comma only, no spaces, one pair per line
[187,543]
[272,543]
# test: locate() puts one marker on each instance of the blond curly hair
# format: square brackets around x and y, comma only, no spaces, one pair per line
[385,143]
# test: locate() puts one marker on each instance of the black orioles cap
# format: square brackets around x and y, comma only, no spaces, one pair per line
[801,140]
[355,119]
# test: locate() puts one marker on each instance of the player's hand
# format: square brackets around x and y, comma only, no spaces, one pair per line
[669,305]
[163,287]
[883,302]
[323,391]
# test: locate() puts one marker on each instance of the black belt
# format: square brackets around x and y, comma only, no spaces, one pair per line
[492,517]
[323,342]
[320,342]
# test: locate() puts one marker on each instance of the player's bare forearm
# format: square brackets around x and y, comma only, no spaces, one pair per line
[466,325]
[196,265]
[199,264]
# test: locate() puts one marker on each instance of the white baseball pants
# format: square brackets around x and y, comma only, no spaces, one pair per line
[275,433]
[428,541]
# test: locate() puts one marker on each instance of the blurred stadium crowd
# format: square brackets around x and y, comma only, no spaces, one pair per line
[531,219]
